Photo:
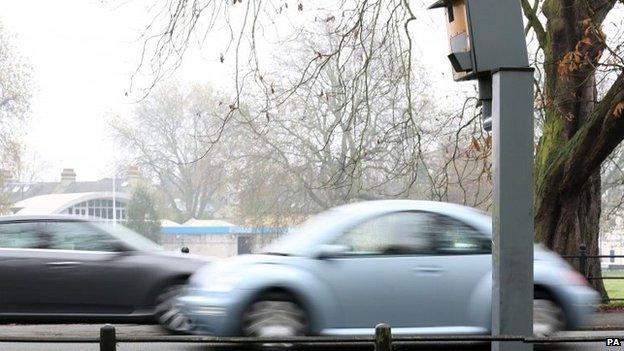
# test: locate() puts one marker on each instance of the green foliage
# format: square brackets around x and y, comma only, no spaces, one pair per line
[615,287]
[142,214]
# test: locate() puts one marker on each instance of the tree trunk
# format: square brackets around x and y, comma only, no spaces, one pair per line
[567,190]
[575,221]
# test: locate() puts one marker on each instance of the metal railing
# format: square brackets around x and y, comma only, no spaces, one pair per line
[383,340]
[583,259]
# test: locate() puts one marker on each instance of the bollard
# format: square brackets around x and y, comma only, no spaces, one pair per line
[583,260]
[383,337]
[108,341]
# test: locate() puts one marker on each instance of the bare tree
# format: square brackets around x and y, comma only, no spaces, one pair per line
[15,95]
[168,137]
[370,25]
[344,137]
[579,127]
[612,194]
[344,114]
[15,89]
[581,95]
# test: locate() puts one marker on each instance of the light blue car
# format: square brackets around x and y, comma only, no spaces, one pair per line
[422,267]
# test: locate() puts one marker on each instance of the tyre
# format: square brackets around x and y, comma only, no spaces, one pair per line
[275,315]
[548,316]
[169,313]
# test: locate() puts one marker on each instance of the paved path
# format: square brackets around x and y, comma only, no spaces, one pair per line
[78,330]
[128,330]
[602,322]
[607,321]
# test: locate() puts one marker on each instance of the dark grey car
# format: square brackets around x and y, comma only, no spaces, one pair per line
[61,268]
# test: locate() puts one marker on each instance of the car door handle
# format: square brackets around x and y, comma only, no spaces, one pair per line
[428,269]
[63,264]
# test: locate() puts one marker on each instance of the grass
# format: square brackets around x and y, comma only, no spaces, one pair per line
[614,287]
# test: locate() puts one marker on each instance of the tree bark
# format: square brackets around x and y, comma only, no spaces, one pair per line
[574,222]
[579,132]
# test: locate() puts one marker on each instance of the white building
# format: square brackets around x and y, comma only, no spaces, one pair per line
[612,244]
[69,196]
[92,204]
[217,238]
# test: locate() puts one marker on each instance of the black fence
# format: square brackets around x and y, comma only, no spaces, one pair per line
[583,260]
[383,340]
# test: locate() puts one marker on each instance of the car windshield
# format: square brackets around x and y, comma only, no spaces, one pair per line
[130,237]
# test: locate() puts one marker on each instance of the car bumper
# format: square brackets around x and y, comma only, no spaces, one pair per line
[213,313]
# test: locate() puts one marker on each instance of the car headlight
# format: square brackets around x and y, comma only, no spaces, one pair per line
[222,284]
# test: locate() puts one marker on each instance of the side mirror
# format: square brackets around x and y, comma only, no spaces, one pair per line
[331,251]
[121,249]
[185,250]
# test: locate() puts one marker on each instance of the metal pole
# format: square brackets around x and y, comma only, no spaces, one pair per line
[512,221]
[114,199]
[383,337]
[583,260]
[108,340]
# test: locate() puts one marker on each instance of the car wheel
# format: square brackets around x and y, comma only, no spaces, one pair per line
[548,316]
[275,315]
[169,313]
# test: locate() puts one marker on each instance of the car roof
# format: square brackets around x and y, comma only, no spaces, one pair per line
[404,204]
[472,216]
[325,226]
[124,237]
[371,207]
[64,217]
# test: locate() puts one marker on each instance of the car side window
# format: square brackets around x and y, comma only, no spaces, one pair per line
[21,235]
[456,237]
[401,233]
[79,236]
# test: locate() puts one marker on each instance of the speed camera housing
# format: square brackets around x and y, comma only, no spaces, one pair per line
[483,37]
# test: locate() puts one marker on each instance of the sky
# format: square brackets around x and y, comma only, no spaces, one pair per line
[83,54]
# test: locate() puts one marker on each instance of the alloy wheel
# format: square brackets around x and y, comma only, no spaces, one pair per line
[275,318]
[169,312]
[548,317]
